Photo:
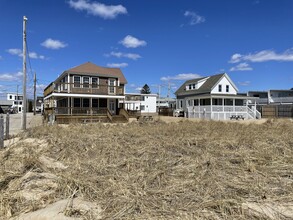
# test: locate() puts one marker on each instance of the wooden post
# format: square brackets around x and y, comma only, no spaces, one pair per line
[1,131]
[7,127]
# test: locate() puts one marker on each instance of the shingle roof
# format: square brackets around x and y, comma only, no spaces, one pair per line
[205,88]
[94,70]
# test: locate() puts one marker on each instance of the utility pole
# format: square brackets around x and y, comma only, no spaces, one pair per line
[23,121]
[35,88]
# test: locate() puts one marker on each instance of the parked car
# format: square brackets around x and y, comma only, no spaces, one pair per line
[178,113]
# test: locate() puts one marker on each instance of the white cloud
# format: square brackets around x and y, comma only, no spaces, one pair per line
[263,56]
[132,42]
[194,18]
[182,76]
[9,77]
[132,56]
[138,89]
[19,53]
[117,65]
[53,44]
[15,51]
[98,9]
[241,67]
[245,83]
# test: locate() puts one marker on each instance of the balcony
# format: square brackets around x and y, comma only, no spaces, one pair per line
[79,88]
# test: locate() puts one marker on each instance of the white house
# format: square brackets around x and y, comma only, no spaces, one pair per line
[273,96]
[215,97]
[144,103]
[17,101]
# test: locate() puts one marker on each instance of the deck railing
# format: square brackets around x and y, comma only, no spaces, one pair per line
[79,88]
[222,112]
[80,111]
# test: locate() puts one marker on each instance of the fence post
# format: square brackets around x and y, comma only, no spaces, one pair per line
[1,131]
[7,127]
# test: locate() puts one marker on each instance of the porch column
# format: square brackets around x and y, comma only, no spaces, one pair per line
[211,108]
[199,108]
[223,105]
[71,109]
[68,81]
[68,105]
[91,106]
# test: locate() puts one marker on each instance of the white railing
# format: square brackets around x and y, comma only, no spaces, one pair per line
[222,112]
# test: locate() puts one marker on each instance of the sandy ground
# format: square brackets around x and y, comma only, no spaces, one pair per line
[15,122]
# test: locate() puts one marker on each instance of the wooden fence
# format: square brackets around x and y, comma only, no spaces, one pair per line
[3,135]
[277,111]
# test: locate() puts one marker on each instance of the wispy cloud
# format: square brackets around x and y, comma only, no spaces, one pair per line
[182,76]
[9,77]
[194,18]
[98,9]
[132,56]
[53,44]
[117,65]
[132,42]
[245,83]
[263,56]
[241,67]
[1,58]
[18,52]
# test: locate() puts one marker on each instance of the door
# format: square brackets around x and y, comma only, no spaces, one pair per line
[112,106]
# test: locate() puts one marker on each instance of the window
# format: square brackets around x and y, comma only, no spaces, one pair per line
[85,102]
[86,81]
[95,103]
[190,86]
[95,82]
[76,81]
[10,97]
[76,102]
[193,86]
[227,88]
[142,98]
[142,107]
[220,88]
[112,83]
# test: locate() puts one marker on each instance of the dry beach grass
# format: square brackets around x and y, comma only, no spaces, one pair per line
[156,170]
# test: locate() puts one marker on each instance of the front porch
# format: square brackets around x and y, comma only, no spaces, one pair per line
[222,107]
[84,109]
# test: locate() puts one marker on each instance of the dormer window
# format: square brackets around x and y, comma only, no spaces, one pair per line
[220,88]
[227,88]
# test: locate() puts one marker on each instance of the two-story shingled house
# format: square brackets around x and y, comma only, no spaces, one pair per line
[86,93]
[215,97]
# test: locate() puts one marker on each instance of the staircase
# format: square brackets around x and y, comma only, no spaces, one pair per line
[119,119]
[253,114]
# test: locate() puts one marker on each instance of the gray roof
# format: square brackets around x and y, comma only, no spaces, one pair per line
[205,88]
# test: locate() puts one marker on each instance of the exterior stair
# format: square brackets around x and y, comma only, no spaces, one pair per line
[119,119]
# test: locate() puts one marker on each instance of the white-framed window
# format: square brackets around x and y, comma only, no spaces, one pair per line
[86,81]
[10,97]
[76,102]
[95,82]
[142,107]
[227,88]
[112,83]
[220,88]
[76,81]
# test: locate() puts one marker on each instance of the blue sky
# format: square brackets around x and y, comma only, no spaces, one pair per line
[153,41]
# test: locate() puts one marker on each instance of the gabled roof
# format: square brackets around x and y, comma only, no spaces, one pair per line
[91,69]
[205,88]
